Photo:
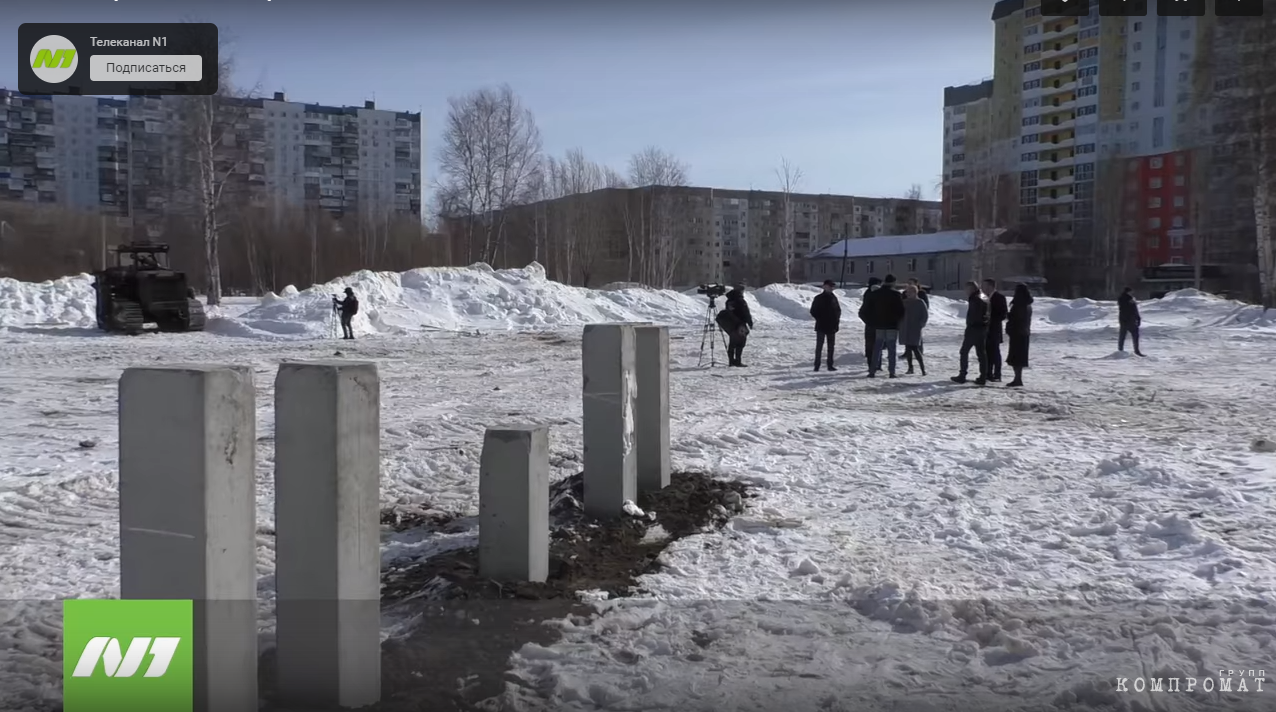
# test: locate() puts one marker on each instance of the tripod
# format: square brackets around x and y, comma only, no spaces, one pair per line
[706,335]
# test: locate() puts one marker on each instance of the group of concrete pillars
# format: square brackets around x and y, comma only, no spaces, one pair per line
[188,523]
[626,437]
[188,505]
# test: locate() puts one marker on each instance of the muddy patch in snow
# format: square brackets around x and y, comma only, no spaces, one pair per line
[463,627]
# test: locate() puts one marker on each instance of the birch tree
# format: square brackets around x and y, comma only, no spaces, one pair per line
[982,190]
[790,179]
[490,153]
[208,131]
[654,254]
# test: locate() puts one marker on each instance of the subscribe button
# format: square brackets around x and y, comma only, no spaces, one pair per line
[146,67]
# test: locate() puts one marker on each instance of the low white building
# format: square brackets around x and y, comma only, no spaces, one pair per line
[942,261]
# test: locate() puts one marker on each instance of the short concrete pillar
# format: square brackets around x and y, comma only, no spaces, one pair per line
[514,504]
[188,514]
[610,388]
[651,359]
[328,533]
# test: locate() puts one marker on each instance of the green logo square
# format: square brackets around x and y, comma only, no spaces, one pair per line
[127,656]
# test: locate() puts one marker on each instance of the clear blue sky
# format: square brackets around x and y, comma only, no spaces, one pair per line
[850,91]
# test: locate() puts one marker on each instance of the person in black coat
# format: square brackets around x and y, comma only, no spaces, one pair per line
[828,319]
[347,308]
[976,336]
[740,322]
[1129,320]
[1019,331]
[997,312]
[883,308]
[870,334]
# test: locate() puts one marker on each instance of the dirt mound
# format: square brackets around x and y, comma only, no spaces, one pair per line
[466,627]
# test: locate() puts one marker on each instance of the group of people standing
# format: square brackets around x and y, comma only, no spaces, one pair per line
[893,318]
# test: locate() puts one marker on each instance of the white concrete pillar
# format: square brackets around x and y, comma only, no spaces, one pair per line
[651,358]
[610,387]
[188,514]
[514,504]
[328,533]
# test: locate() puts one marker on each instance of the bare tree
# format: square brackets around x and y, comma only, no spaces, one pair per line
[490,155]
[209,131]
[914,192]
[982,191]
[790,179]
[1112,239]
[654,253]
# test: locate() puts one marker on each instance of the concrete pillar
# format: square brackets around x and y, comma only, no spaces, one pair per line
[188,514]
[327,540]
[651,429]
[610,384]
[514,504]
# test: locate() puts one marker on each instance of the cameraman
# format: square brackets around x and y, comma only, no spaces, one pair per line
[737,321]
[347,308]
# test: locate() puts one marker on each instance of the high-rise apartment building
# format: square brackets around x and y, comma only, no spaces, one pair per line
[1096,122]
[126,157]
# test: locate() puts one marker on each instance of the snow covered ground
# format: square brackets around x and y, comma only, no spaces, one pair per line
[914,543]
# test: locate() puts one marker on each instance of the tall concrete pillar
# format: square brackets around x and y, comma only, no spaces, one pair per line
[327,533]
[514,504]
[651,357]
[188,514]
[610,387]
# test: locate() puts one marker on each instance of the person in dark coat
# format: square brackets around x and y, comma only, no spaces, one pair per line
[976,336]
[827,312]
[1019,331]
[740,322]
[347,308]
[885,309]
[916,314]
[870,334]
[1129,320]
[997,312]
[925,297]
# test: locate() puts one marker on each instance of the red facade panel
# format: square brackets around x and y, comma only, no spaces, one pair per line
[1159,191]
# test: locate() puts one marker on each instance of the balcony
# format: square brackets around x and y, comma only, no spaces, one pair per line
[1058,144]
[1048,51]
[1069,27]
[1060,199]
[1044,181]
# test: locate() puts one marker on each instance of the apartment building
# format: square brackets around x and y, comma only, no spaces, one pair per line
[125,157]
[679,236]
[1104,125]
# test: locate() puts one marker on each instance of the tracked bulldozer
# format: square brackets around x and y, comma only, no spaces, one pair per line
[141,289]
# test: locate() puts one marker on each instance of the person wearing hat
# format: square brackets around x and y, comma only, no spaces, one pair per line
[828,319]
[740,321]
[347,308]
[870,331]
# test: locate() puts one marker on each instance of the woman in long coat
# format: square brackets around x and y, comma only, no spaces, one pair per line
[1019,329]
[916,314]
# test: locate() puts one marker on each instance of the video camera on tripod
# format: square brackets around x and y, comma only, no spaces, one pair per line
[712,291]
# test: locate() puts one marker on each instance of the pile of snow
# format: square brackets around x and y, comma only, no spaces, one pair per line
[67,301]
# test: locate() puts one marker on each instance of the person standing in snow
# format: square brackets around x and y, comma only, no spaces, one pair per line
[921,291]
[1129,320]
[827,312]
[997,312]
[1019,331]
[870,333]
[925,297]
[347,308]
[916,314]
[740,320]
[885,309]
[976,336]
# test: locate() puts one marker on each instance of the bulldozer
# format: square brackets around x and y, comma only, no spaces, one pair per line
[141,289]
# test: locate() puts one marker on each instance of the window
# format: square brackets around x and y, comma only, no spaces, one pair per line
[1156,162]
[1183,76]
[1033,84]
[1138,26]
[1180,181]
[1087,91]
[1179,201]
[1087,110]
[1027,157]
[1031,30]
[1134,86]
[912,264]
[960,125]
[1154,223]
[1088,72]
[1032,12]
[1032,103]
[1034,47]
[959,173]
[1154,242]
[959,157]
[1031,120]
[1085,171]
[1029,138]
[869,267]
[1176,260]
[1154,183]
[1088,53]
[1154,201]
[1134,106]
[930,263]
[1180,160]
[1137,46]
[1177,221]
[1028,195]
[1085,148]
[850,268]
[1032,67]
[959,141]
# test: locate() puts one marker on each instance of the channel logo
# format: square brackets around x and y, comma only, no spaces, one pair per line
[54,59]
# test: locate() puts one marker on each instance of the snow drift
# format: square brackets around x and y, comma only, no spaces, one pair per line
[481,298]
